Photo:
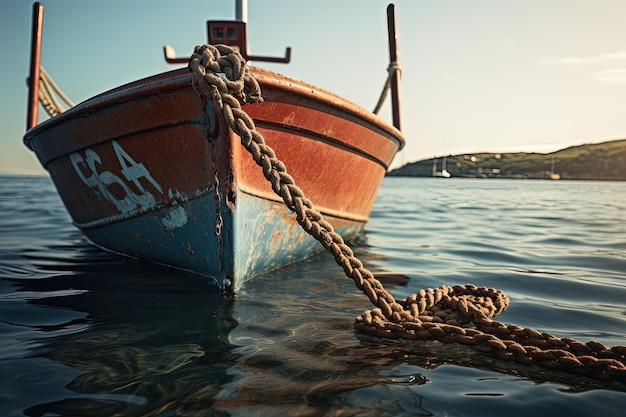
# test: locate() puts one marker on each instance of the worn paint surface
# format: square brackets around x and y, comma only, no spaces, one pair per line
[148,170]
[267,236]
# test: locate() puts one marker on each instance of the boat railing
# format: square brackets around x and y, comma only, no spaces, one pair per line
[231,33]
[228,32]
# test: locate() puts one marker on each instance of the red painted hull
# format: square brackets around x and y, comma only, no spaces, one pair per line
[149,170]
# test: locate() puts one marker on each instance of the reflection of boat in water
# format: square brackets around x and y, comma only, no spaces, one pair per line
[444,171]
[260,352]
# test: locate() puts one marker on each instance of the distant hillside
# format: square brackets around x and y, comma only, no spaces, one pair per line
[598,161]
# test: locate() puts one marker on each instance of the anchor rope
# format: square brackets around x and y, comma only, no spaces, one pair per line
[220,73]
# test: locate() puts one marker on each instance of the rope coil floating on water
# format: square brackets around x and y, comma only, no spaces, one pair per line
[220,73]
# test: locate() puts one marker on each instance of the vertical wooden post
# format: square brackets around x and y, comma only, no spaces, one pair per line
[35,59]
[393,61]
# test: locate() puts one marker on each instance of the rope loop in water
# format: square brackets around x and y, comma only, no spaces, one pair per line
[221,74]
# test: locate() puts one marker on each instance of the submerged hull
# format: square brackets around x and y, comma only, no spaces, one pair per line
[151,171]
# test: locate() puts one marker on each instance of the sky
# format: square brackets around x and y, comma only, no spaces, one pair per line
[477,75]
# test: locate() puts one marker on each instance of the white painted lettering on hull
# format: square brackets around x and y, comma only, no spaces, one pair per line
[108,185]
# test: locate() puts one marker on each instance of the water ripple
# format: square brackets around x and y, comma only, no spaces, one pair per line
[85,332]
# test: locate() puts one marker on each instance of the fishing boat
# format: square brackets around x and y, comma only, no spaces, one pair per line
[150,170]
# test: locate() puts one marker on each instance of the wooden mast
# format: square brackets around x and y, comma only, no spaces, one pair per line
[35,59]
[393,62]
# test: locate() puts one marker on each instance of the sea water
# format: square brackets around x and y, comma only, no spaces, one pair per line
[87,333]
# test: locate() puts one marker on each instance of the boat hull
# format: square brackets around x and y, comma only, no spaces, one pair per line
[150,170]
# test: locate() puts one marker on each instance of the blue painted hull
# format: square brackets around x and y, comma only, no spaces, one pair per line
[232,247]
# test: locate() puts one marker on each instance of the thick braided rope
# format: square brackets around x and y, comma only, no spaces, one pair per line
[219,73]
[48,92]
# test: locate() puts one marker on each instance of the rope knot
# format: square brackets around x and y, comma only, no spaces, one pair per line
[222,67]
[394,69]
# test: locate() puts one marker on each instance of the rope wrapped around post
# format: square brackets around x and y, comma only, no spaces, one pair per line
[220,73]
[394,70]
